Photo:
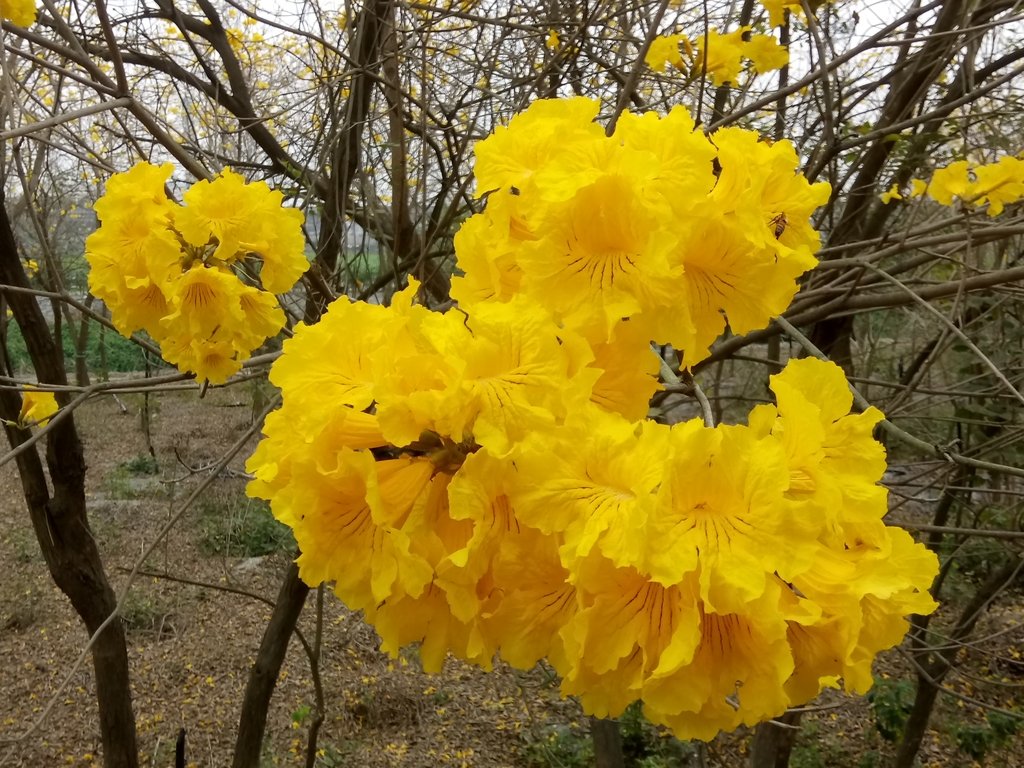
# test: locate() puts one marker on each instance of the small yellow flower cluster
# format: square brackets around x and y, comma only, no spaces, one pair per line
[20,12]
[200,278]
[36,407]
[727,54]
[777,9]
[484,481]
[995,185]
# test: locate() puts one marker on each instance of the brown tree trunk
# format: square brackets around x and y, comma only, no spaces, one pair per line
[607,743]
[934,665]
[59,518]
[265,670]
[772,743]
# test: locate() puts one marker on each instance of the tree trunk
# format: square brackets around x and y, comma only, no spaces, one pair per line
[263,675]
[914,729]
[59,518]
[772,743]
[934,664]
[607,743]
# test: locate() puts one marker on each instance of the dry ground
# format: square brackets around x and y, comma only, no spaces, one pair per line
[191,645]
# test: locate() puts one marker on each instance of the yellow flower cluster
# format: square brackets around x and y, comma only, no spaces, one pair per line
[199,278]
[483,481]
[727,54]
[995,185]
[659,227]
[20,12]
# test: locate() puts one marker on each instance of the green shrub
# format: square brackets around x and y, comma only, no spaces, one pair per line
[891,702]
[1004,726]
[143,464]
[241,527]
[560,746]
[144,613]
[977,740]
[123,355]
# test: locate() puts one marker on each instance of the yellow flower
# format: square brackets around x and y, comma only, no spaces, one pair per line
[664,52]
[552,42]
[599,258]
[214,358]
[353,510]
[765,53]
[629,372]
[593,482]
[515,378]
[722,59]
[777,10]
[893,193]
[626,628]
[203,300]
[36,408]
[720,515]
[834,461]
[20,12]
[998,184]
[949,182]
[734,676]
[508,157]
[487,250]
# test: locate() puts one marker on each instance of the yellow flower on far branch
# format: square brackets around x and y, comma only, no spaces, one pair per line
[777,9]
[998,184]
[36,408]
[952,181]
[994,185]
[20,12]
[765,53]
[721,58]
[664,52]
[893,193]
[552,42]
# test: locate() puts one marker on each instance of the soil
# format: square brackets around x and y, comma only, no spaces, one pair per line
[191,644]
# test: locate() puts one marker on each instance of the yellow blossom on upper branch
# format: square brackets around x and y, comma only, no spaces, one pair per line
[484,481]
[994,185]
[20,12]
[637,230]
[727,54]
[664,52]
[777,9]
[200,278]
